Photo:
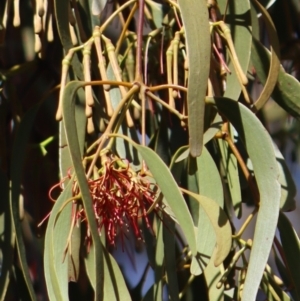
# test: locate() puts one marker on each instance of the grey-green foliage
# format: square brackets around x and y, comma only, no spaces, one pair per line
[173,132]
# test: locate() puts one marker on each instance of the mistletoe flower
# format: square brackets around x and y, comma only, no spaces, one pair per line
[121,199]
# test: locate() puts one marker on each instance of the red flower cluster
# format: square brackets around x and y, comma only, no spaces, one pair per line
[121,199]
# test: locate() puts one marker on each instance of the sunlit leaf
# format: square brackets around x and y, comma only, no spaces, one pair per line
[274,62]
[260,150]
[195,16]
[210,185]
[239,21]
[287,89]
[287,184]
[62,21]
[114,285]
[72,138]
[212,276]
[230,166]
[57,277]
[220,223]
[65,164]
[171,192]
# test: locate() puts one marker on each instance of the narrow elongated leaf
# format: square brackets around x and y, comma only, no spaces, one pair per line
[170,257]
[195,17]
[212,276]
[291,248]
[275,58]
[171,192]
[72,138]
[65,163]
[58,243]
[210,185]
[287,184]
[230,165]
[220,223]
[159,264]
[260,150]
[114,285]
[57,277]
[62,22]
[238,19]
[287,90]
[124,149]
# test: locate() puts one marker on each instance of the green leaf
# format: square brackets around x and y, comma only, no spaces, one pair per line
[124,149]
[260,150]
[58,243]
[159,263]
[157,13]
[171,192]
[74,147]
[287,184]
[291,248]
[230,166]
[170,257]
[114,285]
[212,276]
[287,90]
[274,62]
[56,276]
[195,17]
[65,163]
[220,223]
[210,185]
[61,8]
[155,293]
[238,19]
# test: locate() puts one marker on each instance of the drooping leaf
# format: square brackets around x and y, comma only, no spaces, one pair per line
[170,257]
[238,19]
[212,276]
[291,248]
[210,185]
[65,164]
[287,89]
[287,184]
[260,150]
[195,16]
[57,276]
[159,264]
[171,192]
[230,166]
[72,138]
[157,12]
[220,223]
[62,21]
[114,285]
[124,149]
[275,59]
